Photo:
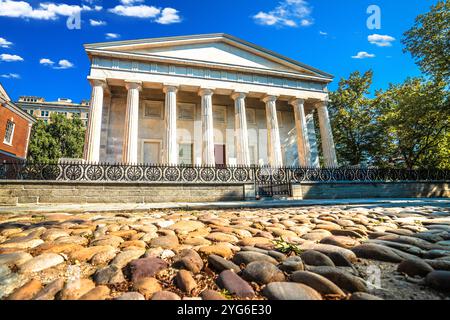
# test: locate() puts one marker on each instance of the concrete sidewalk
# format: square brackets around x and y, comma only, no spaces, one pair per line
[128,207]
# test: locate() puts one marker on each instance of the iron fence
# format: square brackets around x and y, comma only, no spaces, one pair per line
[158,173]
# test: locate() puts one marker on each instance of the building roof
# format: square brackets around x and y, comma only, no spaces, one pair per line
[5,101]
[158,48]
[61,103]
[3,93]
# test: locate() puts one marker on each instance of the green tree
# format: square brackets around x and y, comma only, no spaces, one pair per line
[416,120]
[61,138]
[428,41]
[354,120]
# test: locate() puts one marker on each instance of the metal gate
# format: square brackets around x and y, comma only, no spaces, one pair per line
[270,182]
[274,189]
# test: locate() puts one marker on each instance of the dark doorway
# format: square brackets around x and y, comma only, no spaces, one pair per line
[219,154]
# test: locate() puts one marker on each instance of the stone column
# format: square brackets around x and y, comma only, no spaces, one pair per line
[240,127]
[304,150]
[273,139]
[326,135]
[207,127]
[130,134]
[170,112]
[310,124]
[93,132]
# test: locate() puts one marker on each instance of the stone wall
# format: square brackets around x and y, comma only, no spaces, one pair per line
[12,193]
[357,190]
[29,192]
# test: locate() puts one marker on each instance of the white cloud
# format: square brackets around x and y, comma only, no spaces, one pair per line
[265,18]
[130,2]
[112,35]
[306,22]
[10,57]
[133,8]
[363,55]
[141,11]
[5,43]
[64,64]
[323,33]
[290,13]
[10,76]
[97,23]
[168,16]
[45,11]
[381,40]
[46,61]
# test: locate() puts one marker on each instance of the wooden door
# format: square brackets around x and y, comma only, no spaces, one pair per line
[219,154]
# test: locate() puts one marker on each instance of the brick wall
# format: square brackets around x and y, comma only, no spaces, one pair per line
[21,129]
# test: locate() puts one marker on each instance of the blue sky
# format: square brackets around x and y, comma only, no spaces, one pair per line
[40,56]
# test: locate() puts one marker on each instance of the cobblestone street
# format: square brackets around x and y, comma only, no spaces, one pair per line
[318,252]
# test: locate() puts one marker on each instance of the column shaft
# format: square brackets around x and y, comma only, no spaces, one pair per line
[207,127]
[170,150]
[131,130]
[241,132]
[93,132]
[312,138]
[304,150]
[326,135]
[273,132]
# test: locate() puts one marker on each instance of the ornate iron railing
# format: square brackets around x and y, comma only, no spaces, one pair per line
[149,173]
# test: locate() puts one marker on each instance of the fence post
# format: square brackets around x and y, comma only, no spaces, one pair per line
[254,180]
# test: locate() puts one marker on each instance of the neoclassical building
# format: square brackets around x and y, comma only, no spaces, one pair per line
[209,99]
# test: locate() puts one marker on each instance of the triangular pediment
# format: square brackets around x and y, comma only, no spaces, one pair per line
[216,53]
[219,49]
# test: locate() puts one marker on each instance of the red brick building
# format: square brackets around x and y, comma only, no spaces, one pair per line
[15,129]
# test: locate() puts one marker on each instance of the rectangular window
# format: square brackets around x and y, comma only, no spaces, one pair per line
[251,116]
[186,111]
[185,153]
[220,114]
[153,109]
[44,113]
[9,132]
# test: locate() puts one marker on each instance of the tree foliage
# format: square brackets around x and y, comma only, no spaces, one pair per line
[407,125]
[428,41]
[354,120]
[415,117]
[61,138]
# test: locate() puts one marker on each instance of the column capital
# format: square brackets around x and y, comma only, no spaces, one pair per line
[295,101]
[206,91]
[239,95]
[133,84]
[170,88]
[321,104]
[94,81]
[269,98]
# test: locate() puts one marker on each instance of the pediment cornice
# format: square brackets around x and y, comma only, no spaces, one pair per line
[167,50]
